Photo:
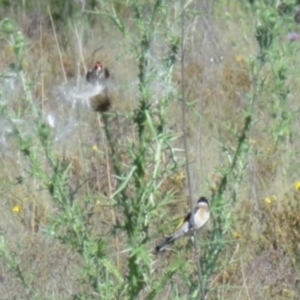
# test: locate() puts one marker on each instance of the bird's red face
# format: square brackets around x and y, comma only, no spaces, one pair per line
[98,66]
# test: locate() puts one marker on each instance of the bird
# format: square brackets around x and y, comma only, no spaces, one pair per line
[98,75]
[187,226]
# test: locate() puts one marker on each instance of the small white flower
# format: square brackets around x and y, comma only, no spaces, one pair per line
[51,120]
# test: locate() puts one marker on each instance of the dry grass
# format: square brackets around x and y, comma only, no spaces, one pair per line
[261,258]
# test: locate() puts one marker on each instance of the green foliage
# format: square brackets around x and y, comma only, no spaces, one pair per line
[8,26]
[111,230]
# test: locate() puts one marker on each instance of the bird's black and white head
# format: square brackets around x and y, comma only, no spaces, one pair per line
[202,202]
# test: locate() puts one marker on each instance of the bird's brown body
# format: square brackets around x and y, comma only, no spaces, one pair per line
[97,77]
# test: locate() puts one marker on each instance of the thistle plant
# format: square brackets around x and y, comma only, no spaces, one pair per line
[137,183]
[100,180]
[143,178]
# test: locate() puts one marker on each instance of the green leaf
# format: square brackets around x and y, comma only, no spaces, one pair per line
[8,26]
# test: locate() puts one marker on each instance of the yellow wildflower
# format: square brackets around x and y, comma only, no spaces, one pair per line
[95,148]
[16,208]
[269,200]
[240,59]
[236,235]
[297,185]
[179,176]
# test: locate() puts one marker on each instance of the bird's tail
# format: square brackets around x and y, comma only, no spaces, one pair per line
[166,242]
